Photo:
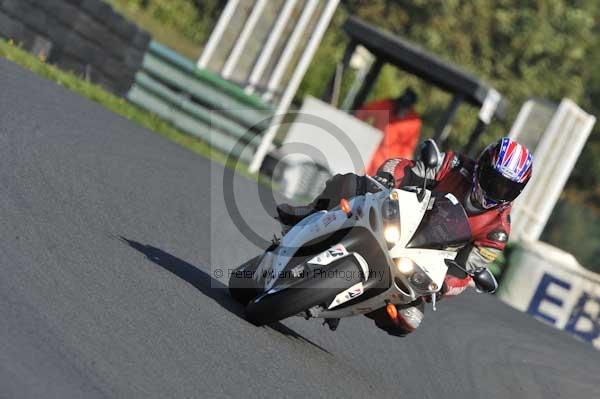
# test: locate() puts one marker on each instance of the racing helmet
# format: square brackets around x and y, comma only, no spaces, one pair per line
[502,172]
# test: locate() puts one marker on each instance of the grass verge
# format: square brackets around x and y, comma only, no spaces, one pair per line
[160,31]
[120,106]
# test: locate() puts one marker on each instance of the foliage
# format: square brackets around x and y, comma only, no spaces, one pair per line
[543,48]
[183,25]
[576,229]
[522,48]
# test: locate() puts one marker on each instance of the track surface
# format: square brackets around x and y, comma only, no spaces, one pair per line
[108,235]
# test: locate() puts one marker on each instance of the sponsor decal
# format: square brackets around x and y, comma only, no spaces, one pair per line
[554,302]
[327,219]
[337,251]
[345,296]
[488,254]
[354,292]
[329,256]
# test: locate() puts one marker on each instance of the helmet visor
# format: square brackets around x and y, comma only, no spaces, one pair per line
[496,186]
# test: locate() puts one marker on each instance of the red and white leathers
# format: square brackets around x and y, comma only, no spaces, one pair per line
[489,227]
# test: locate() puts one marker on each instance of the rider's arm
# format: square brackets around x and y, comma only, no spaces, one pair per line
[411,173]
[490,244]
[471,258]
[481,257]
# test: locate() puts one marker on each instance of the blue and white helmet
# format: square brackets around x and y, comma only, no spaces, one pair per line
[502,172]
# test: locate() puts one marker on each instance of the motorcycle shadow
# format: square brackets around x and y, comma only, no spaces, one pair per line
[206,284]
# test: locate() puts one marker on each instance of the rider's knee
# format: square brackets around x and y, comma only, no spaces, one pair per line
[342,178]
[407,320]
[411,317]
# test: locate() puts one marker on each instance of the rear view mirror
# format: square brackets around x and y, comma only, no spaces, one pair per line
[430,154]
[485,281]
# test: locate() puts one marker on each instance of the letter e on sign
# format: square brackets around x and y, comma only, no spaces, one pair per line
[545,304]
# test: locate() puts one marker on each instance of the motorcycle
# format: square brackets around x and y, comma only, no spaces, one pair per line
[388,248]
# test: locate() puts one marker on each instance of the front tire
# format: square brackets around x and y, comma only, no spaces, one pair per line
[242,286]
[310,292]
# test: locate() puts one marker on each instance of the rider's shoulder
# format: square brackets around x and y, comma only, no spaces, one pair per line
[457,160]
[391,164]
[450,161]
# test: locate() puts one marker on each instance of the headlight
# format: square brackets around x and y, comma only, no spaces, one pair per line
[391,234]
[405,265]
[390,211]
[420,280]
[416,276]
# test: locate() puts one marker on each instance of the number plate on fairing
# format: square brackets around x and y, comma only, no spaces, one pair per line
[351,293]
[332,254]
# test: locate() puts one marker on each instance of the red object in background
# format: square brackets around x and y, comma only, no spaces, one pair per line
[400,133]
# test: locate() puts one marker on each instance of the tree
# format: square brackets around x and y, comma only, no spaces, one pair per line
[542,48]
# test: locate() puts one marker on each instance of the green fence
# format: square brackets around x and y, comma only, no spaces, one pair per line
[199,102]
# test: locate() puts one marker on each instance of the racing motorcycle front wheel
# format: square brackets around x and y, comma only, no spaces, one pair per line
[242,287]
[279,303]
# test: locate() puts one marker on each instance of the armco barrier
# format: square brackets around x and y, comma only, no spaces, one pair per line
[550,285]
[84,36]
[199,102]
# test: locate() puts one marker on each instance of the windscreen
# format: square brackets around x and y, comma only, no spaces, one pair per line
[444,225]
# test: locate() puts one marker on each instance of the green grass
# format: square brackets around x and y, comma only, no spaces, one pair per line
[162,31]
[120,106]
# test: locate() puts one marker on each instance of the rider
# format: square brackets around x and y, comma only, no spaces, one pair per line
[485,187]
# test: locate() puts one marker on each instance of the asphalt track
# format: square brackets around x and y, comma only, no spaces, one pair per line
[110,237]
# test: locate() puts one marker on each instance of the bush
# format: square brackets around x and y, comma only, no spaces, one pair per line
[183,25]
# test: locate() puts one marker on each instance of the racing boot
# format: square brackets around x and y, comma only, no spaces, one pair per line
[332,323]
[410,318]
[407,319]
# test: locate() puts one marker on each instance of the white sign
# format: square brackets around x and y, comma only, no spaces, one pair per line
[563,139]
[332,137]
[550,285]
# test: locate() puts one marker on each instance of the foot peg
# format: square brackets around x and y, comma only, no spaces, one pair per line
[332,323]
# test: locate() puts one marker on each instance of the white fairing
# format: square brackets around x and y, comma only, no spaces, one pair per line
[411,214]
[314,226]
[366,213]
